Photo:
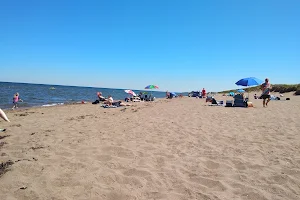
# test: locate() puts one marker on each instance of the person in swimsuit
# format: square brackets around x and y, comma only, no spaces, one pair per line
[15,100]
[266,91]
[109,101]
[101,98]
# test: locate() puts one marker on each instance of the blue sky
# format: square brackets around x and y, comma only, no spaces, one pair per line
[177,45]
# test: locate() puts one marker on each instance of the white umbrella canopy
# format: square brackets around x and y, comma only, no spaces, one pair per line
[130,92]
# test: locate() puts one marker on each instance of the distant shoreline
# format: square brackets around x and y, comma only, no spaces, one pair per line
[37,95]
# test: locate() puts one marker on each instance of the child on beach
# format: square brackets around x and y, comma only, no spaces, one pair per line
[15,100]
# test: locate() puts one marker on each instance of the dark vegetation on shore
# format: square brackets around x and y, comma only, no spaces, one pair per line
[281,88]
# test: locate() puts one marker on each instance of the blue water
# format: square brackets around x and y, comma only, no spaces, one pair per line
[41,95]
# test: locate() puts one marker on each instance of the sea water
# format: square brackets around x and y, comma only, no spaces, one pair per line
[52,95]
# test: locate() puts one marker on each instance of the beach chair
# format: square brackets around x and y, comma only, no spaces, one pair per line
[239,101]
[229,103]
[209,99]
[136,99]
[214,102]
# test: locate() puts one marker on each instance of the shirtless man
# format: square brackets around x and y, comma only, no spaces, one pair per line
[266,89]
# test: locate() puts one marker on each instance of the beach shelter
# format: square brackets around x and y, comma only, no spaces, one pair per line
[151,87]
[240,90]
[250,81]
[130,92]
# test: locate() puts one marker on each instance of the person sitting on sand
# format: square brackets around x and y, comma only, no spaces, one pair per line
[101,98]
[116,103]
[120,103]
[168,94]
[109,101]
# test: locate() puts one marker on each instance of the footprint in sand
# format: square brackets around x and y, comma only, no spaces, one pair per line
[155,195]
[48,131]
[239,165]
[205,197]
[3,136]
[2,144]
[253,195]
[4,167]
[217,185]
[119,152]
[132,181]
[136,172]
[16,125]
[118,195]
[212,165]
[104,158]
[21,115]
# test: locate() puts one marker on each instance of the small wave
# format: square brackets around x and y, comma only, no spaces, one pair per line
[53,104]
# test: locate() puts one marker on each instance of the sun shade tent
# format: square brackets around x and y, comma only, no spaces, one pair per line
[250,81]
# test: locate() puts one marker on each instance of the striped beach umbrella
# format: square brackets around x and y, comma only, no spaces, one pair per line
[130,92]
[151,87]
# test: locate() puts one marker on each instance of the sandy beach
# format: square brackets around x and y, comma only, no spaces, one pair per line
[167,149]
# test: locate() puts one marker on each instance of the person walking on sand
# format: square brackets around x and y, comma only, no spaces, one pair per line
[15,100]
[266,91]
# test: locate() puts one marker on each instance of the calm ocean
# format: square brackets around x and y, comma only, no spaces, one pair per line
[48,95]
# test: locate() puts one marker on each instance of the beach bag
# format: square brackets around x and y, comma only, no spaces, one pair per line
[96,102]
[229,104]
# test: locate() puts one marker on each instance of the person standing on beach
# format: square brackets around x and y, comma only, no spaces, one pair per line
[15,100]
[203,93]
[266,91]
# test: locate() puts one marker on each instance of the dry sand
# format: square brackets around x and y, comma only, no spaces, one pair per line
[169,149]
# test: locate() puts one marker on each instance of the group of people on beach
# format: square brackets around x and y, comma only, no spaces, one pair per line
[265,88]
[109,101]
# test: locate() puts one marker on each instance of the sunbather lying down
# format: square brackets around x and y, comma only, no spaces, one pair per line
[120,103]
[117,103]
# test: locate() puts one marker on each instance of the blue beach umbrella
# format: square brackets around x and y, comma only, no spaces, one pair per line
[240,90]
[231,94]
[251,81]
